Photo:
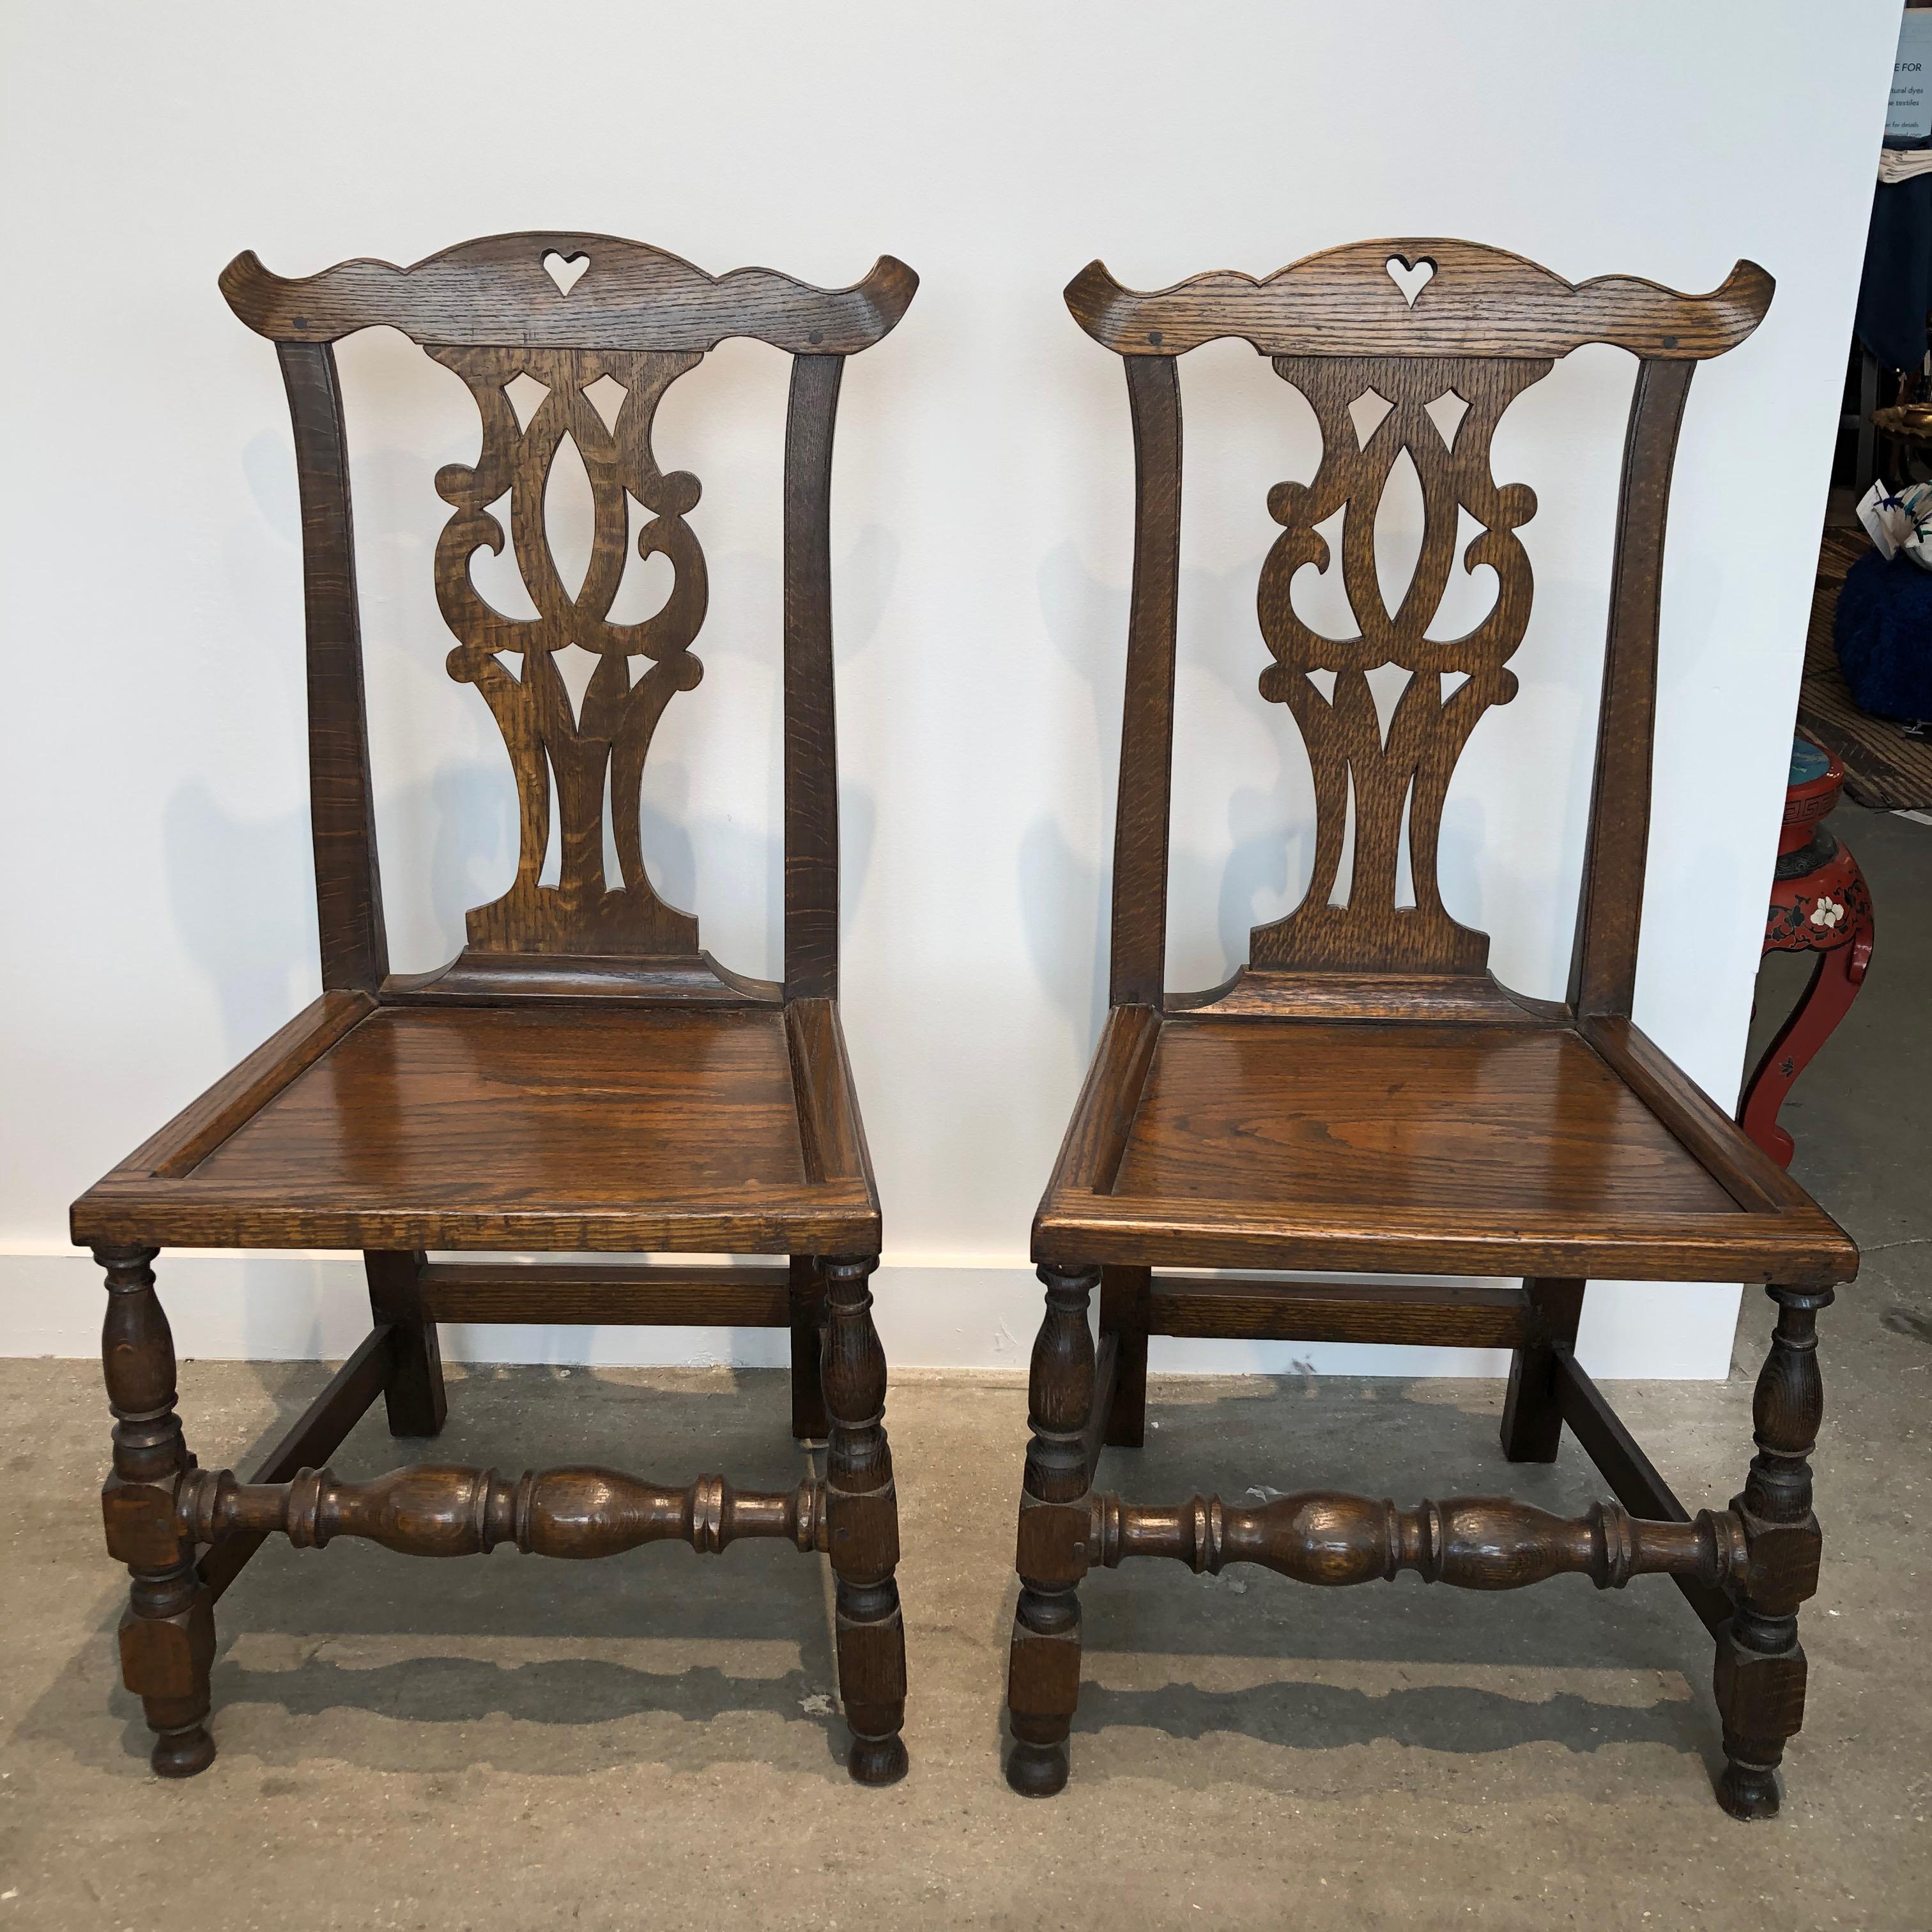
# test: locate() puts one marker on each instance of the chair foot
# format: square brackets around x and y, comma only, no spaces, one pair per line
[1747,1790]
[1037,1771]
[182,1752]
[877,1760]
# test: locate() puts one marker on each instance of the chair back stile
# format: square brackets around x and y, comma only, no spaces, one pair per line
[1417,346]
[573,313]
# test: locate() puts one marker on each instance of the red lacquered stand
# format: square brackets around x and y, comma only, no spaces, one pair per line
[1820,903]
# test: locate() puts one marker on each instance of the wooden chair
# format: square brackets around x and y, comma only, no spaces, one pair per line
[583,1077]
[1362,1095]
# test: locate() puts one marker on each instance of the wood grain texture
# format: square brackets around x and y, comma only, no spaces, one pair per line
[1630,1474]
[1610,911]
[811,746]
[342,808]
[1469,1315]
[1470,1543]
[315,1434]
[631,1128]
[1139,965]
[445,1510]
[1386,780]
[1477,301]
[497,291]
[650,1296]
[580,751]
[1458,1120]
[201,1127]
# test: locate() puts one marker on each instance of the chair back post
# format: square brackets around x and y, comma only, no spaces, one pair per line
[1141,823]
[811,724]
[342,811]
[1610,915]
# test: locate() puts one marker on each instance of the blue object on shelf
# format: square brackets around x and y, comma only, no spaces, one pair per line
[1882,631]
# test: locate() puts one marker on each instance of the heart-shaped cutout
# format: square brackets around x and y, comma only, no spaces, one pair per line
[1411,277]
[566,270]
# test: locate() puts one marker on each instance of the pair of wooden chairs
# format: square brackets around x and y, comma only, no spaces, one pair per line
[1362,1095]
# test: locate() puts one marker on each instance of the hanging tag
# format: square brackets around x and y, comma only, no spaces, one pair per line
[1879,522]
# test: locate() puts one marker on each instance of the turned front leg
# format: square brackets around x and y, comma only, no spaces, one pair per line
[1760,1679]
[167,1633]
[1043,1675]
[862,1527]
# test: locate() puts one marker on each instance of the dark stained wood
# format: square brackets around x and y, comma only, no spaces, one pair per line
[342,806]
[1462,1121]
[811,760]
[661,1296]
[1759,1679]
[1139,966]
[1532,1428]
[1611,911]
[629,296]
[1043,1666]
[167,1633]
[1400,776]
[1104,1116]
[862,1533]
[1741,1168]
[435,1511]
[317,1433]
[1633,1477]
[632,1128]
[1106,1373]
[1468,1315]
[584,1077]
[1362,1095]
[240,1094]
[414,1398]
[1475,301]
[805,1300]
[1470,1543]
[577,753]
[1126,1314]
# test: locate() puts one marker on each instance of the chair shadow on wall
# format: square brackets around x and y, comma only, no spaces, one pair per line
[418,1712]
[1314,1647]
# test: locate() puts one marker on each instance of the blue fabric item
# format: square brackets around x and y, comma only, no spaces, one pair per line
[1895,292]
[1882,630]
[1807,762]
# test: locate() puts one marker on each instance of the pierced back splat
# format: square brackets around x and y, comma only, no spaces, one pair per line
[567,318]
[606,742]
[1407,773]
[1420,329]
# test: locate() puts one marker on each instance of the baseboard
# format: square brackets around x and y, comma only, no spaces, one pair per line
[935,1312]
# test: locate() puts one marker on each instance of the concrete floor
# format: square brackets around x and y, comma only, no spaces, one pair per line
[651,1740]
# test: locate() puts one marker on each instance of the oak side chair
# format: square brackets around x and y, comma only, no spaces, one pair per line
[583,1077]
[1362,1095]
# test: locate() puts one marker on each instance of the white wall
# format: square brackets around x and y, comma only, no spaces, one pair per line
[156,872]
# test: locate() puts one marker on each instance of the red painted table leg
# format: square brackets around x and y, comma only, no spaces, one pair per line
[1820,903]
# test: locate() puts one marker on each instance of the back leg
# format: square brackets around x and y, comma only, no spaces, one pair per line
[1124,1315]
[414,1398]
[808,1317]
[1532,1424]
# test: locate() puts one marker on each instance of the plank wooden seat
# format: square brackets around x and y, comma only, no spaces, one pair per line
[583,1077]
[1362,1095]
